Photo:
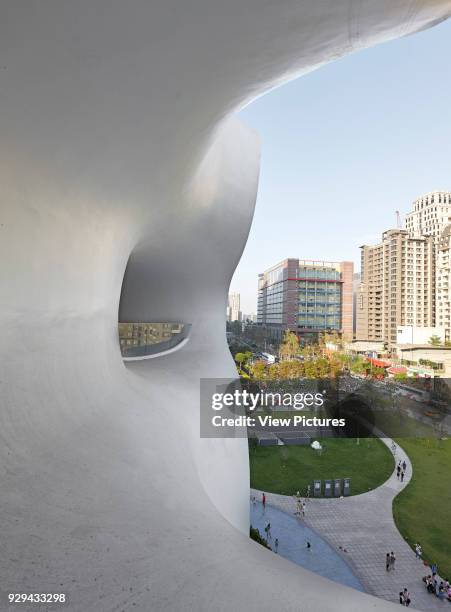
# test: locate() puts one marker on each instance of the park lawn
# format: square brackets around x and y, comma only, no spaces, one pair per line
[422,511]
[287,469]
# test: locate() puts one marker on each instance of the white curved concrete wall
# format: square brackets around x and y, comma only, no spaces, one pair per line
[116,141]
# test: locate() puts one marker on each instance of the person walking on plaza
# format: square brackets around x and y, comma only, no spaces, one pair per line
[398,471]
[298,503]
[418,551]
[404,598]
[276,545]
[387,562]
[402,476]
[268,531]
[303,507]
[404,465]
[263,501]
[392,560]
[298,507]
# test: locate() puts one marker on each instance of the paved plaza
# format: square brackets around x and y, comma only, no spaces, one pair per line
[363,526]
[292,537]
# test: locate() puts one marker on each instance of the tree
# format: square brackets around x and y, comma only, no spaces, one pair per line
[378,372]
[290,346]
[239,358]
[243,358]
[434,340]
[274,371]
[259,370]
[400,376]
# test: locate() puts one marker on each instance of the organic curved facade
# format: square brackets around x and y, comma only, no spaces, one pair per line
[118,146]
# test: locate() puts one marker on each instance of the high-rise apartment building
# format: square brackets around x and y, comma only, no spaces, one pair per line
[307,297]
[355,290]
[431,213]
[233,307]
[443,275]
[397,286]
[431,216]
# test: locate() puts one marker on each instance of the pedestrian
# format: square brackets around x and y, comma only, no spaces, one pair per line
[402,476]
[276,545]
[404,465]
[401,598]
[392,560]
[303,507]
[406,595]
[298,507]
[434,568]
[308,490]
[418,551]
[387,562]
[398,471]
[308,544]
[268,530]
[264,501]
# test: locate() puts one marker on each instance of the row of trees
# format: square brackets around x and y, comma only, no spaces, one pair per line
[309,361]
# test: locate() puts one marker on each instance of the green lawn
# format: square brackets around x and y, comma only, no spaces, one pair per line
[287,469]
[422,510]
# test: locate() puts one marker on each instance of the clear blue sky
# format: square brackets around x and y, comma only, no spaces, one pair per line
[343,148]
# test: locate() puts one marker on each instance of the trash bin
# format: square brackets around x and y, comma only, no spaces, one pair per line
[347,486]
[317,488]
[337,487]
[327,488]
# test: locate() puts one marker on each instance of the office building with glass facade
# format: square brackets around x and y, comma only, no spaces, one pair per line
[308,297]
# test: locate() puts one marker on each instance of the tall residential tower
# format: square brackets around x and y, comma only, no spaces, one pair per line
[397,286]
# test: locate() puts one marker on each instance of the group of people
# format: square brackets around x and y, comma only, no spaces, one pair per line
[390,561]
[440,588]
[404,598]
[300,505]
[269,537]
[401,470]
[268,525]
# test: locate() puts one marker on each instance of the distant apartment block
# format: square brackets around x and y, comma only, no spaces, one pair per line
[307,297]
[355,290]
[397,286]
[443,276]
[431,213]
[233,307]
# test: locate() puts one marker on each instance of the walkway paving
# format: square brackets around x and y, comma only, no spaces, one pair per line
[363,525]
[292,537]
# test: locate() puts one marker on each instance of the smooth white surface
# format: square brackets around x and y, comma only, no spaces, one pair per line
[117,140]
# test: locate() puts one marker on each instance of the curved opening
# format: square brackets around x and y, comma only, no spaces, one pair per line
[142,336]
[150,340]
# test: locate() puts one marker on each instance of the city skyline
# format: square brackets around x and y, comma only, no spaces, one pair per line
[368,133]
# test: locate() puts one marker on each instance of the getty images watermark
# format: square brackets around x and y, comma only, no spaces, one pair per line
[228,410]
[293,411]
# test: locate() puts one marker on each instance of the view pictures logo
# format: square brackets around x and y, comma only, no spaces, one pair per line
[251,401]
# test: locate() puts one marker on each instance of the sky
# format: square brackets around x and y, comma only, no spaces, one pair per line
[344,148]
